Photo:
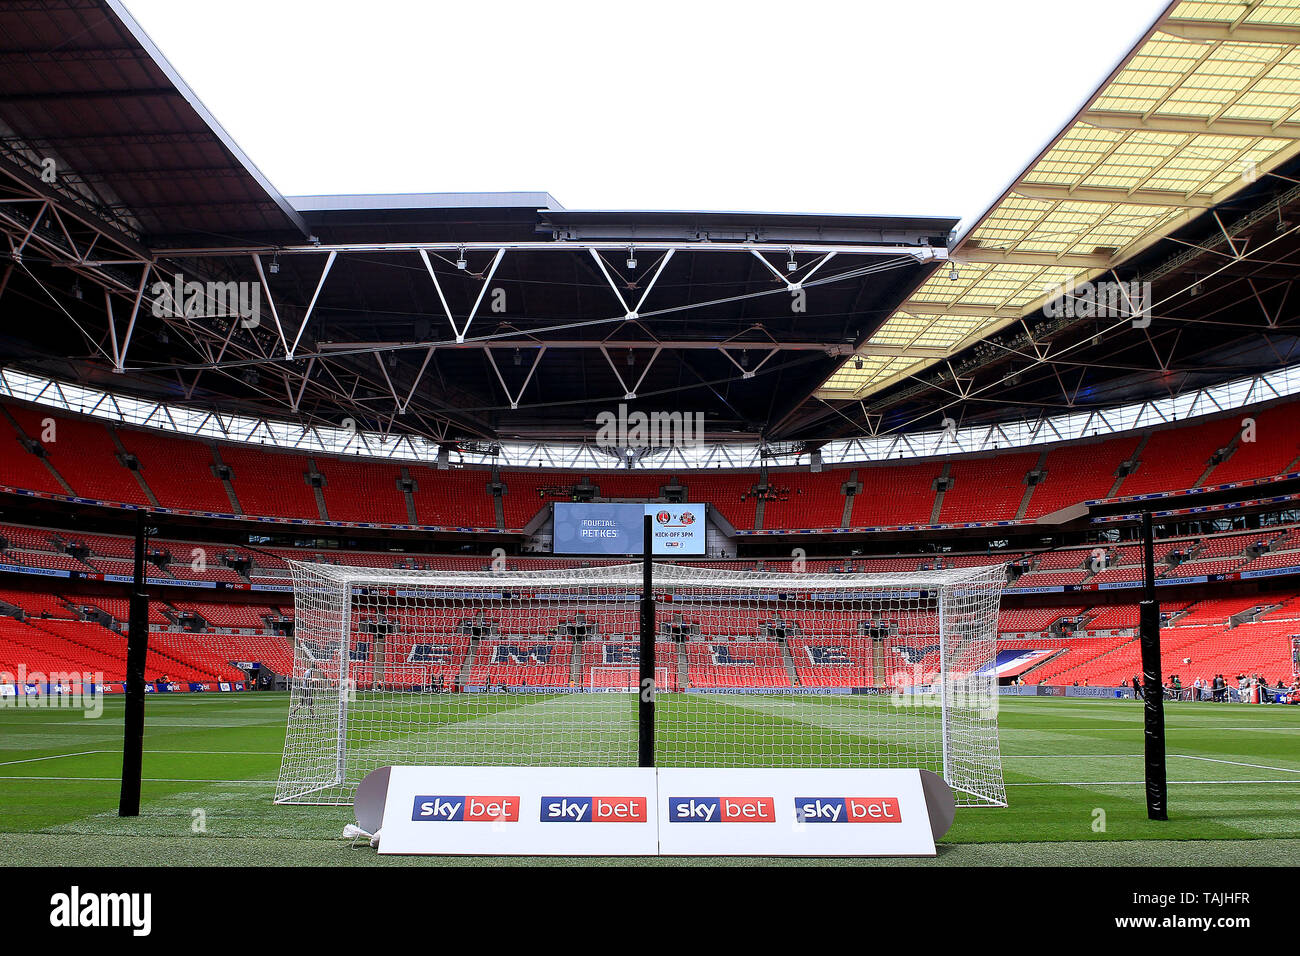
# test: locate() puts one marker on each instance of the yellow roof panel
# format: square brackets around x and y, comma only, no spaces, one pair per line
[1207,103]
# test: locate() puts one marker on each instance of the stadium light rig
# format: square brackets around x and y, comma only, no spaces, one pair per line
[460,259]
[631,257]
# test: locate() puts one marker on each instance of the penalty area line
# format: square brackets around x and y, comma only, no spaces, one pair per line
[1141,783]
[246,783]
[1236,763]
[91,753]
[83,753]
[228,753]
[1064,756]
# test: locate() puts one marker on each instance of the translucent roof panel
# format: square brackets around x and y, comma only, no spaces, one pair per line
[1201,108]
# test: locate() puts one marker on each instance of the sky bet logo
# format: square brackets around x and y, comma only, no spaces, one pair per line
[847,810]
[466,809]
[721,810]
[593,810]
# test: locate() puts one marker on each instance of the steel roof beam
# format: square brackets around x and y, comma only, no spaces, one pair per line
[329,264]
[1016,257]
[920,252]
[1109,195]
[1189,29]
[1166,123]
[835,348]
[960,308]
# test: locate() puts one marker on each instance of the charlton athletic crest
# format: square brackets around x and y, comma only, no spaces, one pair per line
[663,517]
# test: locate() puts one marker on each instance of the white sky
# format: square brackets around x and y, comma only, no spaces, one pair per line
[860,106]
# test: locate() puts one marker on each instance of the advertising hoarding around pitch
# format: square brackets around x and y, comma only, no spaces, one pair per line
[582,811]
[643,811]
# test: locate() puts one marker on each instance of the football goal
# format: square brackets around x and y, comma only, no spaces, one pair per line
[751,669]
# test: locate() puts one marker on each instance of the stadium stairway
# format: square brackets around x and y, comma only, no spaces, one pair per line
[498,502]
[408,497]
[236,508]
[760,503]
[1029,489]
[1136,456]
[468,664]
[939,493]
[850,489]
[788,660]
[318,491]
[136,473]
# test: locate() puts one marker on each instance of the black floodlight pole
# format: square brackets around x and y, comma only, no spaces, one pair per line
[646,692]
[1152,686]
[137,651]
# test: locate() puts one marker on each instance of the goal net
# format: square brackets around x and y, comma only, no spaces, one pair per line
[753,669]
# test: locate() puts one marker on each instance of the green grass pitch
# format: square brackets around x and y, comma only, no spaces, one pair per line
[1071,766]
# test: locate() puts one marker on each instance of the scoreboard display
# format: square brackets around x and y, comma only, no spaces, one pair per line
[591,528]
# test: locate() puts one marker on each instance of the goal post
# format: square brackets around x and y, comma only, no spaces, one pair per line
[752,669]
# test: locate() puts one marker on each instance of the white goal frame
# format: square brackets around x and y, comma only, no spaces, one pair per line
[937,712]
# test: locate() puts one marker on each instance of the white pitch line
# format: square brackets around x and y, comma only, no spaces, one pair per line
[115,730]
[256,753]
[89,753]
[1140,783]
[84,753]
[1063,756]
[1253,766]
[247,783]
[1101,726]
[1286,730]
[1236,763]
[1128,727]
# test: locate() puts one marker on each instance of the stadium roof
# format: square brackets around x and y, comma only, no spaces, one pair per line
[1203,106]
[378,306]
[506,200]
[94,115]
[503,317]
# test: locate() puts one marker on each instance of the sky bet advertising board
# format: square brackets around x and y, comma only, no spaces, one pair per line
[643,811]
[583,528]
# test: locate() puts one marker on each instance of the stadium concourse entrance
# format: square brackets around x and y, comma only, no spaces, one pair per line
[642,664]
